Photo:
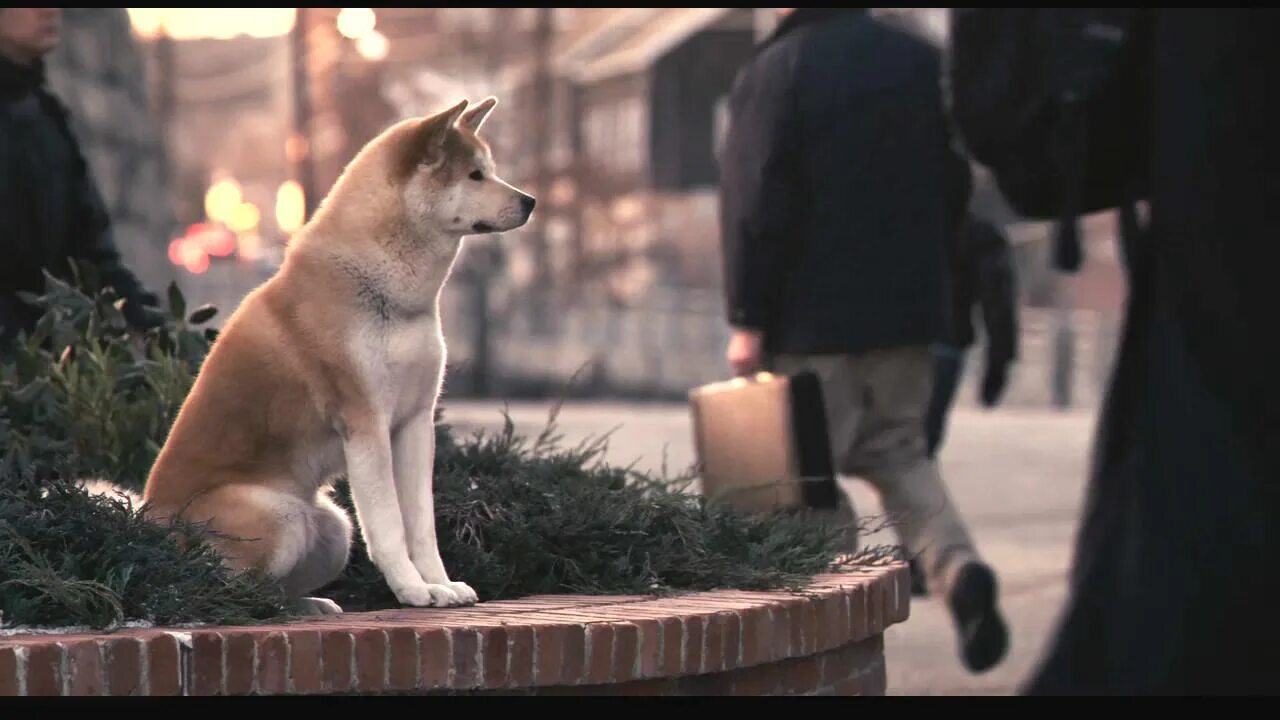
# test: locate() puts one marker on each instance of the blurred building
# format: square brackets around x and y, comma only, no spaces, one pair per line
[611,116]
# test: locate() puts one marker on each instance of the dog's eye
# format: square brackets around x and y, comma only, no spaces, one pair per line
[477,176]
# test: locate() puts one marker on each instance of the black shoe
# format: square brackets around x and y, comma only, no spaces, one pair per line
[984,638]
[918,588]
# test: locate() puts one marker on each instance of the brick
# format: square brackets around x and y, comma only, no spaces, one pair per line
[813,626]
[707,685]
[574,670]
[435,650]
[823,692]
[672,646]
[239,650]
[164,666]
[732,641]
[206,664]
[626,652]
[44,670]
[874,681]
[520,661]
[124,666]
[466,660]
[834,610]
[756,636]
[757,681]
[548,654]
[371,660]
[646,688]
[600,654]
[841,665]
[84,663]
[781,632]
[305,675]
[848,688]
[713,644]
[337,651]
[859,628]
[270,664]
[496,654]
[902,597]
[875,608]
[402,649]
[796,625]
[9,684]
[800,676]
[650,650]
[582,601]
[719,637]
[694,640]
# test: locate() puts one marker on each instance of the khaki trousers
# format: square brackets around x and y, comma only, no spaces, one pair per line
[876,404]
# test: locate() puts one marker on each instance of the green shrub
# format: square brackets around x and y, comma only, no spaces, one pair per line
[87,397]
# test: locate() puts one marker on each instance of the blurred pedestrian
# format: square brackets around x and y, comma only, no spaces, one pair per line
[839,187]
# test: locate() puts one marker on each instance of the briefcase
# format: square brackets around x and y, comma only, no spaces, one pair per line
[763,443]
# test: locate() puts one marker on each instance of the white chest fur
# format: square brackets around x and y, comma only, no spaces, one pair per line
[402,364]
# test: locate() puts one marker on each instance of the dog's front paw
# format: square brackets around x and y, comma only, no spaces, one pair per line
[442,596]
[466,596]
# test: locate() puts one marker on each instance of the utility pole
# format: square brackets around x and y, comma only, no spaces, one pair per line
[303,165]
[543,101]
[164,96]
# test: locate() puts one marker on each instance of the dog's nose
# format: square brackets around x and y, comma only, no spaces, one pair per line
[527,204]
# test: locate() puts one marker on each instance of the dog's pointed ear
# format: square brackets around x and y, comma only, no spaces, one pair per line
[425,145]
[429,135]
[474,118]
[450,117]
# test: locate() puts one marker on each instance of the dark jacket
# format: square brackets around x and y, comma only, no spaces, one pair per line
[1174,582]
[837,182]
[50,209]
[983,278]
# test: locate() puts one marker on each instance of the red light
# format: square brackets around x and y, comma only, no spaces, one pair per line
[197,264]
[218,243]
[176,250]
[194,258]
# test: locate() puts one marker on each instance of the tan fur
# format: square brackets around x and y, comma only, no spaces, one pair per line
[334,366]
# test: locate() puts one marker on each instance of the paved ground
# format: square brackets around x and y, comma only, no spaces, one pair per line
[1017,477]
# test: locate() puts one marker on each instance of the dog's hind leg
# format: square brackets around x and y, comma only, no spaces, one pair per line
[302,544]
[327,550]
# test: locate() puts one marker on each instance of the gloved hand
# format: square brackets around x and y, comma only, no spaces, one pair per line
[994,382]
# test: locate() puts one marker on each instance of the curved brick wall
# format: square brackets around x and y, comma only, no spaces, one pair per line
[827,639]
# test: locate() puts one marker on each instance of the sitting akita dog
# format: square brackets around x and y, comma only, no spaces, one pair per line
[334,366]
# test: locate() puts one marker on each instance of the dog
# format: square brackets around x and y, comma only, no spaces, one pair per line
[334,366]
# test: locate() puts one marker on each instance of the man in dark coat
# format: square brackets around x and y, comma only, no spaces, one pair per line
[50,209]
[982,278]
[1174,586]
[839,184]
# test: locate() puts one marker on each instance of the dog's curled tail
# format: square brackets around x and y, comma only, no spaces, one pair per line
[106,489]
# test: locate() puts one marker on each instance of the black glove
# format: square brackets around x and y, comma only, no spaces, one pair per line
[994,381]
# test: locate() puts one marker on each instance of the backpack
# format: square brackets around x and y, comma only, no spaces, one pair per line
[1052,101]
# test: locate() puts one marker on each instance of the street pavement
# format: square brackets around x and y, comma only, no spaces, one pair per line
[1017,477]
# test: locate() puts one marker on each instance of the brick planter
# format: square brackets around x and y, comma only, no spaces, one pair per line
[825,640]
